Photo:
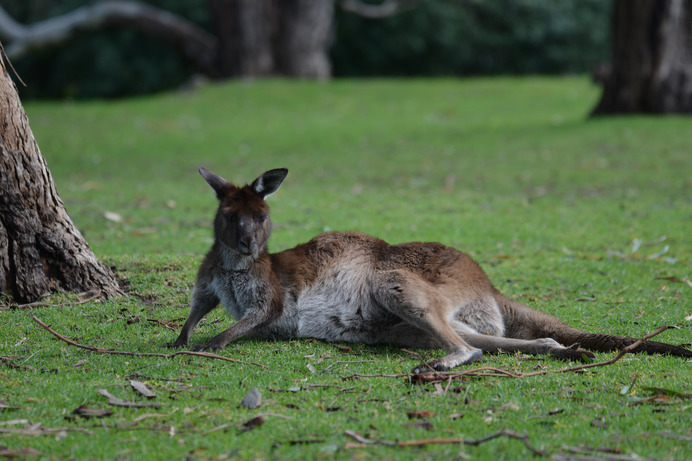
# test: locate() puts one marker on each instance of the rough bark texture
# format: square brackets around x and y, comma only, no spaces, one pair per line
[244,28]
[652,58]
[304,35]
[273,37]
[41,250]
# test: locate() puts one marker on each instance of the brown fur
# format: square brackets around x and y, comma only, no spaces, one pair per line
[351,287]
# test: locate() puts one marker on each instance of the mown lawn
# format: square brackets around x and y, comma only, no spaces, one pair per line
[590,220]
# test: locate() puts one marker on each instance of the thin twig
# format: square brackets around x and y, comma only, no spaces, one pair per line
[6,58]
[140,354]
[38,430]
[497,372]
[45,304]
[511,435]
[624,351]
[163,323]
[378,375]
[364,442]
[348,361]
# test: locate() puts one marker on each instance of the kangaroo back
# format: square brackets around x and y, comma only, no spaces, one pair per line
[525,323]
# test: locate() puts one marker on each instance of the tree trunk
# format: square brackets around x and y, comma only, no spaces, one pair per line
[652,58]
[273,37]
[41,251]
[303,38]
[244,29]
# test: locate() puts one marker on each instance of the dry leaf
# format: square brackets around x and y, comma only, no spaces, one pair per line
[114,217]
[422,424]
[660,253]
[142,389]
[253,423]
[87,412]
[509,406]
[439,390]
[253,399]
[118,402]
[598,422]
[329,409]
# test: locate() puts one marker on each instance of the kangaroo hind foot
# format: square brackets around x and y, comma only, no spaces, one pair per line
[419,304]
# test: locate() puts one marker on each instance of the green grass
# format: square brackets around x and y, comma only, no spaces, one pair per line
[509,170]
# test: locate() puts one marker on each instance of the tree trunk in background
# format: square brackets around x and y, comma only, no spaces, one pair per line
[244,29]
[273,37]
[303,38]
[41,251]
[652,58]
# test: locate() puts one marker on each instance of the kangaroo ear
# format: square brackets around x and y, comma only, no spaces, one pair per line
[268,183]
[216,182]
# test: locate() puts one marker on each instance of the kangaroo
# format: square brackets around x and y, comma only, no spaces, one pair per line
[352,287]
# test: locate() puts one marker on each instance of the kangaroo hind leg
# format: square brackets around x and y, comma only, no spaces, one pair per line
[540,346]
[419,303]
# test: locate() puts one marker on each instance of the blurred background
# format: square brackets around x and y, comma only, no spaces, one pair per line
[117,49]
[435,104]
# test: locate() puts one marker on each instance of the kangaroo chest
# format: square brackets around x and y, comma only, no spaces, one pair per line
[238,291]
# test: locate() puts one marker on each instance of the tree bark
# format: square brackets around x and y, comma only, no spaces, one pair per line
[244,29]
[651,68]
[254,38]
[41,251]
[303,38]
[377,10]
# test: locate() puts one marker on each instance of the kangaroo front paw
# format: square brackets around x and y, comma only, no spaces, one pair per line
[210,346]
[431,367]
[176,344]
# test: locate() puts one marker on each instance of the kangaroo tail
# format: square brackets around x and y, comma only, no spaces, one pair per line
[526,323]
[605,343]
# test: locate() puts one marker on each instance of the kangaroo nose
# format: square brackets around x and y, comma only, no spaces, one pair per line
[247,245]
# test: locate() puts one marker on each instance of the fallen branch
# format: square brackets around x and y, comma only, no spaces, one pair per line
[378,375]
[348,362]
[499,373]
[9,361]
[163,323]
[364,442]
[140,354]
[37,430]
[192,41]
[23,307]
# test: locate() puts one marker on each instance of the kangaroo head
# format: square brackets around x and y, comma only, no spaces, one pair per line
[242,219]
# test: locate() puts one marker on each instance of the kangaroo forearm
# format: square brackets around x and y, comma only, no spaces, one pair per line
[255,319]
